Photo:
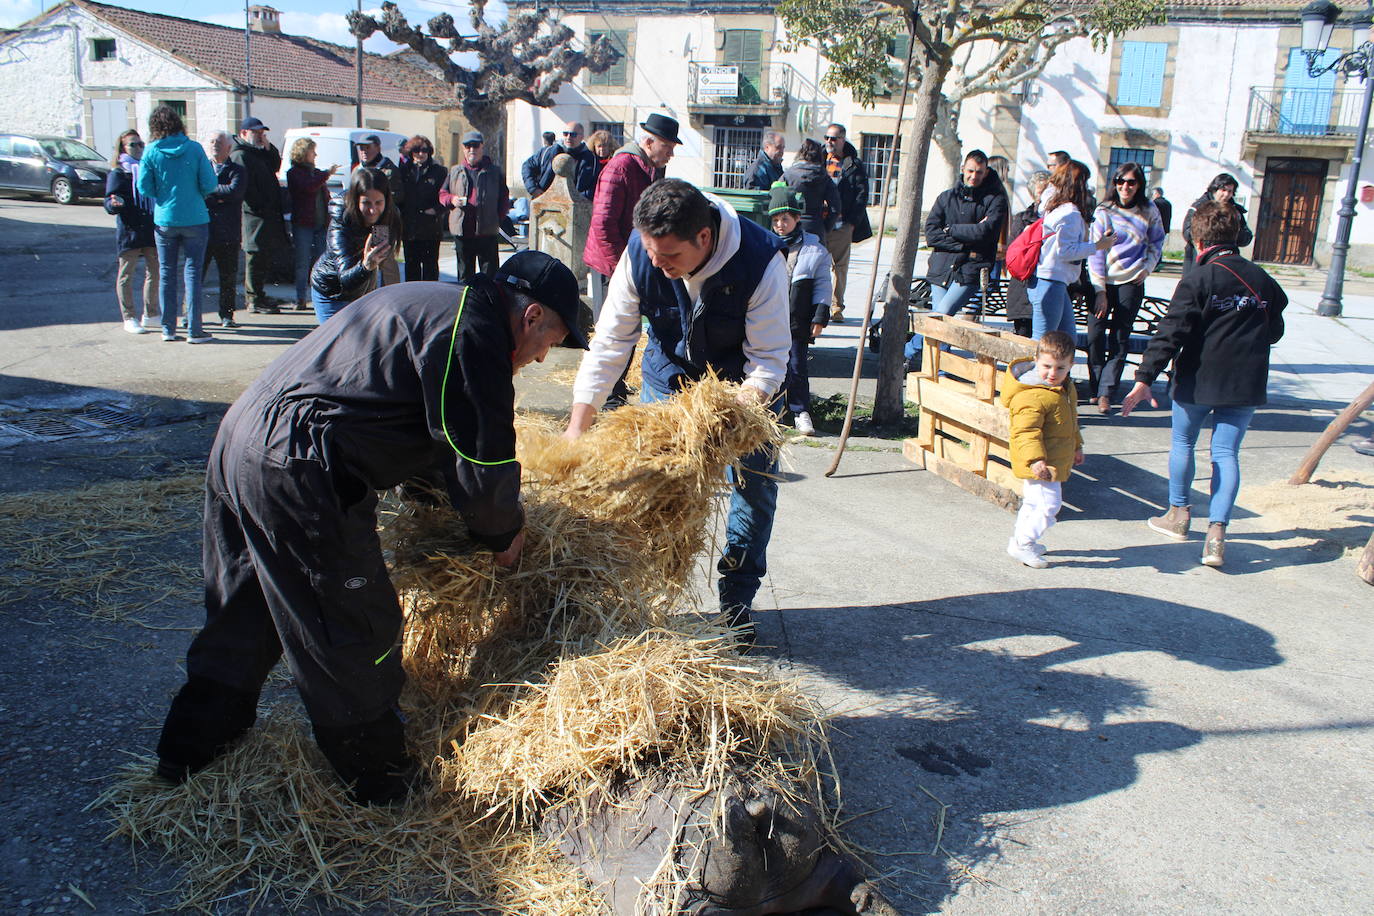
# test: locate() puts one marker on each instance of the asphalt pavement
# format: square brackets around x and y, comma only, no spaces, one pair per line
[1125,732]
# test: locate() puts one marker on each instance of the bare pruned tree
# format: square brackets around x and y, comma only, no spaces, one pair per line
[527,57]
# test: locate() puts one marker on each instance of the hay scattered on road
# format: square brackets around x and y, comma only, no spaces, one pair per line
[101,548]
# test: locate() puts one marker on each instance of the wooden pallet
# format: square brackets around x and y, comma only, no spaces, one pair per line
[964,428]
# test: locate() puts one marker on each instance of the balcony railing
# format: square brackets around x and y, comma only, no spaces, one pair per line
[767,86]
[1331,113]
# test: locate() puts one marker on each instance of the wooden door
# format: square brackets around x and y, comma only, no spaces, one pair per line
[1290,210]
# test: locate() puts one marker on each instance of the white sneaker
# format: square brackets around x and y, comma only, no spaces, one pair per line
[803,425]
[152,322]
[1026,556]
[133,327]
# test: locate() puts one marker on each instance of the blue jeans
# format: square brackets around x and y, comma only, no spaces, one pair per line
[325,305]
[948,300]
[1228,429]
[749,523]
[798,383]
[1051,309]
[309,243]
[944,300]
[181,242]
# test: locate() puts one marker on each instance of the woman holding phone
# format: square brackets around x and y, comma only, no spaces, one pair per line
[363,226]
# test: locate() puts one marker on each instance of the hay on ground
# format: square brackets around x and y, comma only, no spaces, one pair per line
[528,689]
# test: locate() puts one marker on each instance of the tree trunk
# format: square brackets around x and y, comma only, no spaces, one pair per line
[1333,431]
[887,405]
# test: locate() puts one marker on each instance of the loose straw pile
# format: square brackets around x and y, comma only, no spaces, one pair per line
[527,689]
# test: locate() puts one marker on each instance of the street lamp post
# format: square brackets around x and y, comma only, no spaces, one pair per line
[1318,22]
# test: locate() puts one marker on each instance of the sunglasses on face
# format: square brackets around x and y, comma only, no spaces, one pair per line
[571,133]
[1130,181]
[134,145]
[829,138]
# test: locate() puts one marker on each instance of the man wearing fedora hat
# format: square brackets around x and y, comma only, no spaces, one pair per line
[411,385]
[712,288]
[632,169]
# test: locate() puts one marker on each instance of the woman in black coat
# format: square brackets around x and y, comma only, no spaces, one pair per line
[1222,189]
[1221,322]
[363,226]
[133,235]
[819,193]
[422,216]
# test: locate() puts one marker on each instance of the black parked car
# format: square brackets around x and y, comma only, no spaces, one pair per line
[59,166]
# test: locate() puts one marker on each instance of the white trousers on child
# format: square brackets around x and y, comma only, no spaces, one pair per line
[1040,502]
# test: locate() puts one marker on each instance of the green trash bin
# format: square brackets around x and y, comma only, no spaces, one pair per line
[752,205]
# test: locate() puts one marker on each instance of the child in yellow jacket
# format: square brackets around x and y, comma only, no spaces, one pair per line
[1045,441]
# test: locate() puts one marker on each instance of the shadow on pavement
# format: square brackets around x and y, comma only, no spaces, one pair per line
[971,733]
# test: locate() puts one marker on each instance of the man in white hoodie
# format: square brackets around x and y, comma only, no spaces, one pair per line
[693,264]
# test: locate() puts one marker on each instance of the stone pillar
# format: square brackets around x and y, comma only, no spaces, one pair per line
[561,217]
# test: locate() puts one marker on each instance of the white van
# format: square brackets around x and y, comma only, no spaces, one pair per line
[336,146]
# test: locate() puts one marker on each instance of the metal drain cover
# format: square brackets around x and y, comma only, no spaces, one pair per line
[46,424]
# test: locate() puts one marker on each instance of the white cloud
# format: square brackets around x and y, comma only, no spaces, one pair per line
[14,12]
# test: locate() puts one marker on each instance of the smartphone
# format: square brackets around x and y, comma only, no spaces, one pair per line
[380,236]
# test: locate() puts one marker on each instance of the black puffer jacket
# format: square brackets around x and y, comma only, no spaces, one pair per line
[963,228]
[133,223]
[853,187]
[1221,322]
[819,194]
[340,273]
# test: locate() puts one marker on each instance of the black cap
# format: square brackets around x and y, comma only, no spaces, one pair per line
[252,124]
[661,126]
[371,139]
[548,281]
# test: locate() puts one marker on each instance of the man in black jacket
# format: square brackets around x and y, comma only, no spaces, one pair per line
[264,227]
[226,224]
[768,168]
[532,171]
[847,170]
[410,384]
[585,177]
[963,228]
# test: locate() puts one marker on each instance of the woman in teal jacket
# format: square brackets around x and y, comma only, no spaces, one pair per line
[177,176]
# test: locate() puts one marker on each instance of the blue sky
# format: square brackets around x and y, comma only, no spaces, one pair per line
[323,19]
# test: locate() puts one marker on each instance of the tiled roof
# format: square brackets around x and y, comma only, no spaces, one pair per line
[283,64]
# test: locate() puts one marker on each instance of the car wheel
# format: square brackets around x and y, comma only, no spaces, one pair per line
[62,191]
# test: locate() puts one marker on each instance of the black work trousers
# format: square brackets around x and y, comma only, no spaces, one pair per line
[422,259]
[1109,337]
[293,565]
[225,256]
[476,253]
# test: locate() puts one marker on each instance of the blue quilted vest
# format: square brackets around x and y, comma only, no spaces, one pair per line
[686,338]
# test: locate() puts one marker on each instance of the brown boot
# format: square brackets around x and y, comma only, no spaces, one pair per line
[1214,550]
[1174,523]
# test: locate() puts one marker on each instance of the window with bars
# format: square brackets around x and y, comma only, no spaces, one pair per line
[614,128]
[1145,158]
[736,150]
[618,76]
[881,157]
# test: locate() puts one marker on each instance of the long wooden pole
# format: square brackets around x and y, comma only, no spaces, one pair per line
[1331,434]
[877,254]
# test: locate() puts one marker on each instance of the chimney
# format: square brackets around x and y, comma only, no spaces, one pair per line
[264,19]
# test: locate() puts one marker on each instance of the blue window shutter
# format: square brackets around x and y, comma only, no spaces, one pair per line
[1141,83]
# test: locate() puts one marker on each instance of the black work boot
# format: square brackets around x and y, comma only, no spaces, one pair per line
[205,719]
[371,759]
